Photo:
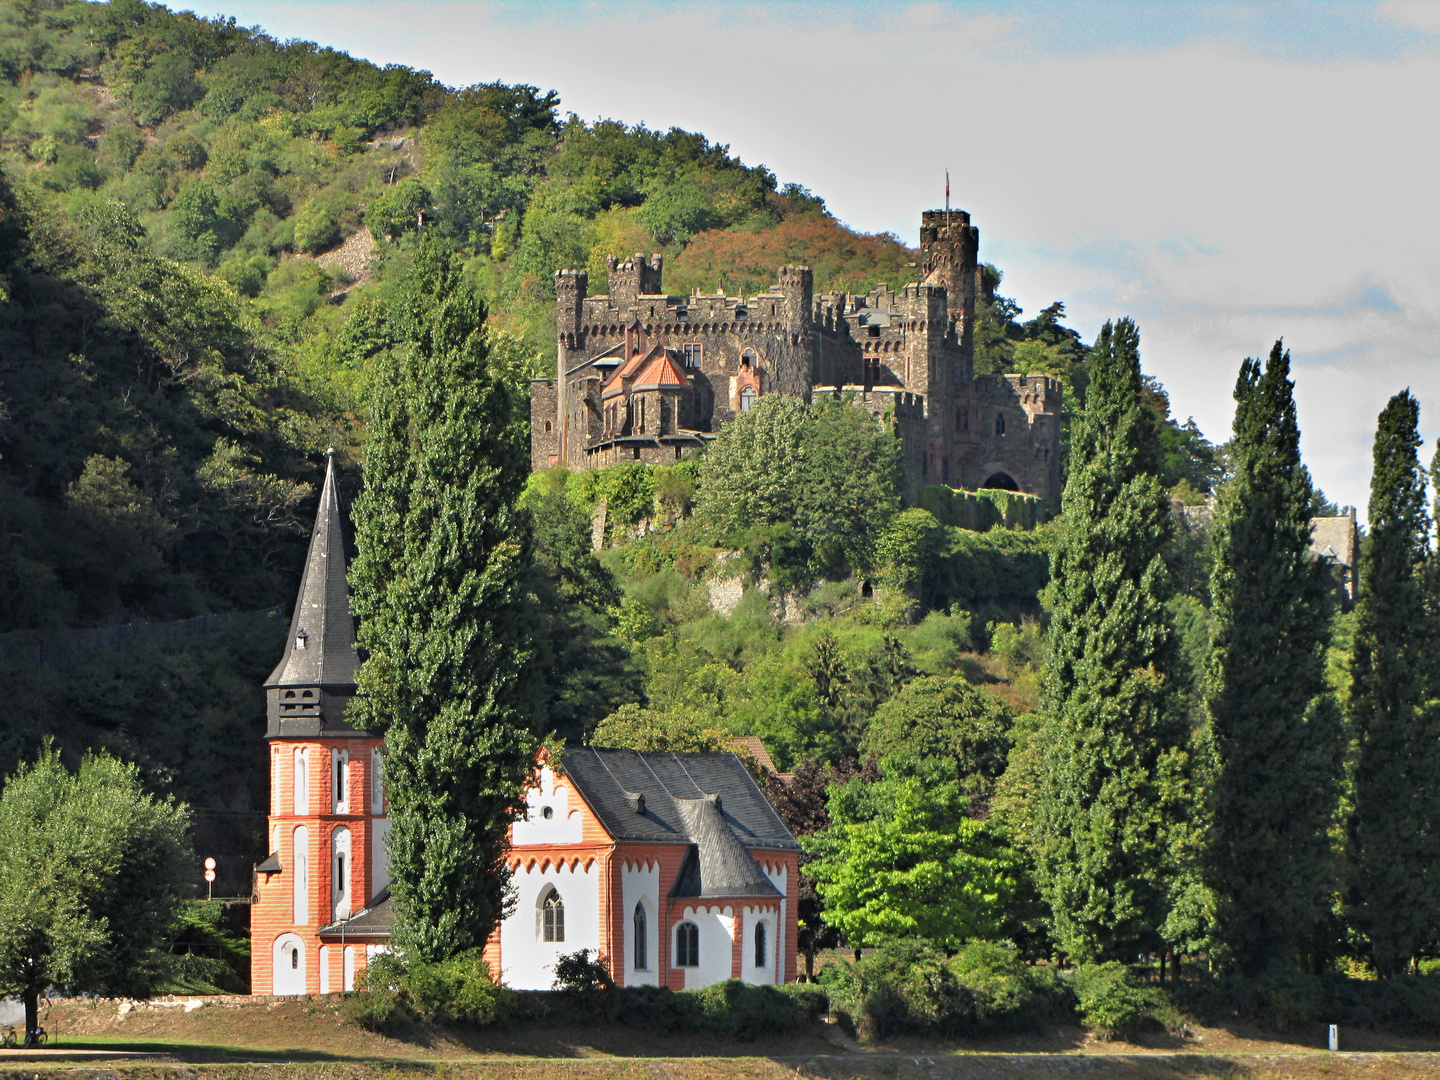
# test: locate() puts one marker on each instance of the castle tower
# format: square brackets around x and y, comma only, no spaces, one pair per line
[633,278]
[949,253]
[327,823]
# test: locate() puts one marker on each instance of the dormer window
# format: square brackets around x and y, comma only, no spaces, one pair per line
[300,639]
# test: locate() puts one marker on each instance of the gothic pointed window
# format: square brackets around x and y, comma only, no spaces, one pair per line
[552,917]
[641,958]
[761,952]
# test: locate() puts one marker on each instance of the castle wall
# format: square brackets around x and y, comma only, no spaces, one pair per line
[544,438]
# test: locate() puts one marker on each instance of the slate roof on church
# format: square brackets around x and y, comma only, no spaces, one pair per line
[322,608]
[642,796]
[717,864]
[375,921]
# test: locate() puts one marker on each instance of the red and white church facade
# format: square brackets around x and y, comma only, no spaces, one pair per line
[673,867]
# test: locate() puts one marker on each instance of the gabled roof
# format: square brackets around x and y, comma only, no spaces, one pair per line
[717,864]
[660,372]
[637,795]
[322,608]
[628,368]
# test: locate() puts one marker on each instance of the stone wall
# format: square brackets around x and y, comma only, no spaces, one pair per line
[544,439]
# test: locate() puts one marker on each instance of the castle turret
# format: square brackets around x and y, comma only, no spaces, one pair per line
[633,278]
[949,250]
[321,891]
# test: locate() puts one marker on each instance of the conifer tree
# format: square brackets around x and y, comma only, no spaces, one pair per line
[439,587]
[1113,774]
[1276,736]
[1395,827]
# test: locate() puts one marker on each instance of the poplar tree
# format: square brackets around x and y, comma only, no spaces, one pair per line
[1113,775]
[1276,735]
[1395,827]
[439,587]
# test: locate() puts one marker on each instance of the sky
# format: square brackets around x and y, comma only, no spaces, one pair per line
[1225,173]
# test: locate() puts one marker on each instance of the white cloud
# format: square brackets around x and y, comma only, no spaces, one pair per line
[1416,14]
[1221,197]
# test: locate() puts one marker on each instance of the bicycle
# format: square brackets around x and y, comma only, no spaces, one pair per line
[9,1040]
[35,1038]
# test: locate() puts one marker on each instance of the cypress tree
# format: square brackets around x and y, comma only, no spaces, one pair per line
[1395,827]
[439,586]
[1276,736]
[1113,773]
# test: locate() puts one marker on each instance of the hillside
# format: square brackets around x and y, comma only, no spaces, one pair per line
[201,232]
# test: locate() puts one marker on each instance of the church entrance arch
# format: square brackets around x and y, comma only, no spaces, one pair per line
[289,969]
[1002,481]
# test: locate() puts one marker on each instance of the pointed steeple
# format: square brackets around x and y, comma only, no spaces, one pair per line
[308,690]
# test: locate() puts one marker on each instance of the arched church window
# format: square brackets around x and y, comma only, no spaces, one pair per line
[687,945]
[341,767]
[341,872]
[552,917]
[762,952]
[641,959]
[302,781]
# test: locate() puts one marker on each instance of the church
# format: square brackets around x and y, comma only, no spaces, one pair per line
[673,867]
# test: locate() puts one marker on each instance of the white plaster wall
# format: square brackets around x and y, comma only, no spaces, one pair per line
[779,876]
[753,917]
[527,962]
[379,856]
[563,826]
[640,884]
[287,980]
[325,969]
[717,937]
[340,849]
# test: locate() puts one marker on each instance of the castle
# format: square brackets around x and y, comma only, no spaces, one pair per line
[674,868]
[644,376]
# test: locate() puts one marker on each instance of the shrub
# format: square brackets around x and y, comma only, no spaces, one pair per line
[1006,993]
[375,1005]
[578,974]
[903,986]
[1112,1005]
[458,989]
[740,1010]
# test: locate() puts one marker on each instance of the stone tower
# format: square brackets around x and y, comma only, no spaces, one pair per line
[949,256]
[327,823]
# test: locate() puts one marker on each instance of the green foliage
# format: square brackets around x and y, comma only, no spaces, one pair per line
[1113,793]
[576,973]
[439,581]
[399,210]
[206,955]
[974,570]
[1278,743]
[909,987]
[1395,826]
[92,872]
[982,510]
[1111,1003]
[632,727]
[830,472]
[941,727]
[902,859]
[905,547]
[458,990]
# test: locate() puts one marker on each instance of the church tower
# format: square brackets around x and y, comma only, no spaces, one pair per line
[320,897]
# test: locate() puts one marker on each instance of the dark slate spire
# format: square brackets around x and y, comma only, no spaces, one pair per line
[307,692]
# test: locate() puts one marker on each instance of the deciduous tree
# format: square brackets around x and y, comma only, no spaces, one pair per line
[92,874]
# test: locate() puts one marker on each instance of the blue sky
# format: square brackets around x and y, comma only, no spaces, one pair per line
[1225,173]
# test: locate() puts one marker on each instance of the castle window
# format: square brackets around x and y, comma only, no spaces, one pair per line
[962,419]
[693,356]
[999,423]
[761,952]
[749,359]
[547,427]
[552,917]
[687,945]
[642,416]
[641,960]
[747,399]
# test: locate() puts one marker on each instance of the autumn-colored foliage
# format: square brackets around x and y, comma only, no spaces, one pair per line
[747,261]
